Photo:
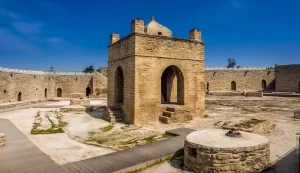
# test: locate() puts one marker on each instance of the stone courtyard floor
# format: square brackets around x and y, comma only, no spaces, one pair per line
[86,135]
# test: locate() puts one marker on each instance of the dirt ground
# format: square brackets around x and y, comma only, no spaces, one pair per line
[103,137]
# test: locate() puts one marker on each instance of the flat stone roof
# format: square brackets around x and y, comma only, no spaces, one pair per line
[217,138]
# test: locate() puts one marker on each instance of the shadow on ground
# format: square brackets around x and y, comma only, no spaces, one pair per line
[288,163]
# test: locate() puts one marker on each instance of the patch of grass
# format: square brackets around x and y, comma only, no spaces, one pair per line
[107,128]
[48,131]
[205,116]
[62,123]
[91,133]
[150,139]
[249,123]
[102,141]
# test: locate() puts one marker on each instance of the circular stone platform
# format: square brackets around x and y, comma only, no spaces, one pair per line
[2,140]
[211,150]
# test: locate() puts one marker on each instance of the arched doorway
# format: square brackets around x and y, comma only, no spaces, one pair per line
[59,92]
[207,86]
[20,96]
[263,84]
[172,86]
[233,86]
[45,93]
[88,91]
[119,86]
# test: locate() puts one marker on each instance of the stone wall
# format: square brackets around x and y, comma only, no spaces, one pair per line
[143,58]
[246,79]
[288,78]
[204,159]
[39,85]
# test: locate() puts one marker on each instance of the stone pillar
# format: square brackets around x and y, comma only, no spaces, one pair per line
[2,140]
[195,34]
[114,38]
[137,26]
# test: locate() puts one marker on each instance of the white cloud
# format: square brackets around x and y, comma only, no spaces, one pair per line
[9,14]
[27,27]
[12,43]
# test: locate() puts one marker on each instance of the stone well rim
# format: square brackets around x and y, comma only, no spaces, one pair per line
[216,138]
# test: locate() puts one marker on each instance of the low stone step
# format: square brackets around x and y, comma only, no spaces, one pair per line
[170,109]
[168,113]
[164,119]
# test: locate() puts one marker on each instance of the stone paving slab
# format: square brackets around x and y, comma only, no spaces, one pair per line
[128,158]
[20,155]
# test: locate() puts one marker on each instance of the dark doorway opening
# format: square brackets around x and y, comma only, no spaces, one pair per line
[119,85]
[20,96]
[233,85]
[88,91]
[46,93]
[172,86]
[263,84]
[59,92]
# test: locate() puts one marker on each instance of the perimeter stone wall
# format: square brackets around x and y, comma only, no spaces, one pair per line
[245,79]
[37,85]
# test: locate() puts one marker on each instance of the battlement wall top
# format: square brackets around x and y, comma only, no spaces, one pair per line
[243,68]
[44,72]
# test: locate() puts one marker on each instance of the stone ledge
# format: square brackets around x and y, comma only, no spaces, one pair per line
[2,140]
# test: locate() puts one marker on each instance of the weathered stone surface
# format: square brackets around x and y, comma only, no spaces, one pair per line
[2,140]
[77,95]
[76,108]
[254,94]
[288,78]
[248,125]
[143,59]
[210,152]
[80,101]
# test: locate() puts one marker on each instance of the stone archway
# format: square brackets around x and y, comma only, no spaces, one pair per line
[59,92]
[20,96]
[172,86]
[233,86]
[119,85]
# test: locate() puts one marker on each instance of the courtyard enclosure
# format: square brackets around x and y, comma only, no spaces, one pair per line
[156,68]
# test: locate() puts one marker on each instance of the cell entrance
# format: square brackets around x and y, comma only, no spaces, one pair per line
[172,86]
[59,92]
[119,85]
[20,96]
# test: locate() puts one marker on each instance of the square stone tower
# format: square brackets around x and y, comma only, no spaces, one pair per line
[150,73]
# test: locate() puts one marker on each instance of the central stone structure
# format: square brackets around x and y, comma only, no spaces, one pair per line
[208,151]
[149,72]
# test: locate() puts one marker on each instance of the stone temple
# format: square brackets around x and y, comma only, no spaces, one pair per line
[154,76]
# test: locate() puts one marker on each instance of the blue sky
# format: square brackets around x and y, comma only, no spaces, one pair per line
[70,35]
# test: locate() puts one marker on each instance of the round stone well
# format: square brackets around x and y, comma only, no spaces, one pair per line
[211,150]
